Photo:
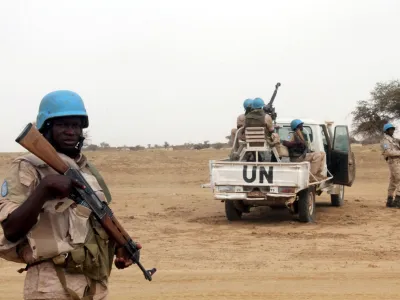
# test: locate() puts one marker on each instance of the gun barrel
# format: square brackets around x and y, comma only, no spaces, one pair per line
[274,94]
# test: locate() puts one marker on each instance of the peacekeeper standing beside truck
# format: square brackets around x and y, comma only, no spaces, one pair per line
[40,224]
[391,152]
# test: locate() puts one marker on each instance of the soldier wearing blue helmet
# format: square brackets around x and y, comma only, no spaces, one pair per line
[67,252]
[391,152]
[299,151]
[240,119]
[258,118]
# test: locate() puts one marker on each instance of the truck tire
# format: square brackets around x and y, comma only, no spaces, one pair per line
[338,200]
[231,212]
[307,205]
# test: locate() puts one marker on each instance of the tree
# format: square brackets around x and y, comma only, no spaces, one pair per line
[92,147]
[104,145]
[218,146]
[370,115]
[166,145]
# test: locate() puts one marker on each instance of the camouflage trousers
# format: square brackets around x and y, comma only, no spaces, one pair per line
[394,181]
[43,283]
[317,162]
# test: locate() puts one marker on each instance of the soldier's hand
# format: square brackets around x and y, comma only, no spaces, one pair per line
[122,259]
[59,186]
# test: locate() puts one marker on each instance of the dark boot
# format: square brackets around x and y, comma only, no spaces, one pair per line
[396,202]
[389,201]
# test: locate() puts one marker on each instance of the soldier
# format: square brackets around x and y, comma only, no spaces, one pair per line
[68,254]
[299,151]
[258,118]
[391,152]
[240,119]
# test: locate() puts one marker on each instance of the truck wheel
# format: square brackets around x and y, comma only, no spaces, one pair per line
[231,212]
[338,200]
[307,205]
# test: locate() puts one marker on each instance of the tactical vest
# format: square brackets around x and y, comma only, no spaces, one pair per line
[67,233]
[255,118]
[297,151]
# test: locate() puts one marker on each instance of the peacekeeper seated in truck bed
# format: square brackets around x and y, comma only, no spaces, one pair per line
[258,118]
[299,151]
[240,120]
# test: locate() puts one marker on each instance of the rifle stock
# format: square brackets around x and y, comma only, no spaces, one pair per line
[33,141]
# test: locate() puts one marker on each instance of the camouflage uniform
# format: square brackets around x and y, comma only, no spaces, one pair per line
[258,118]
[62,227]
[391,152]
[239,123]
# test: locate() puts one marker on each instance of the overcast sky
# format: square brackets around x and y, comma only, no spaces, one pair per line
[178,71]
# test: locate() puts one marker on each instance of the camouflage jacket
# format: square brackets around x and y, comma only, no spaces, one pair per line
[390,147]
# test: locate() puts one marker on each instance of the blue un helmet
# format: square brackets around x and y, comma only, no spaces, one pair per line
[61,103]
[258,103]
[295,123]
[247,103]
[388,126]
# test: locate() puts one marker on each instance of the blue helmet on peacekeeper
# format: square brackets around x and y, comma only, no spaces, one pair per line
[62,103]
[247,103]
[258,103]
[295,123]
[388,126]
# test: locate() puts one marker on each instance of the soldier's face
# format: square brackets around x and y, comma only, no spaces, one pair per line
[390,131]
[66,132]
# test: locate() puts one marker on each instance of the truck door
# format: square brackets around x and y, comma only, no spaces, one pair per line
[342,162]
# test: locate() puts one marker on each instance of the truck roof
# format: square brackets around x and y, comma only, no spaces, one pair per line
[306,121]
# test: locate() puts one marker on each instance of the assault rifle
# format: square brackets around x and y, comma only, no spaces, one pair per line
[33,141]
[269,108]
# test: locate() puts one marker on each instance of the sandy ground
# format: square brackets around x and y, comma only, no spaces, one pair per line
[351,252]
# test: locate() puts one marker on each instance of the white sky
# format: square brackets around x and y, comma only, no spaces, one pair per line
[178,71]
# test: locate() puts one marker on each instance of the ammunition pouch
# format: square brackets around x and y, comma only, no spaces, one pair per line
[93,259]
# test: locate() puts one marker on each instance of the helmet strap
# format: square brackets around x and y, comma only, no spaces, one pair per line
[80,143]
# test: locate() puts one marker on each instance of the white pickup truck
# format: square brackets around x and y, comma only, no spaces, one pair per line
[276,181]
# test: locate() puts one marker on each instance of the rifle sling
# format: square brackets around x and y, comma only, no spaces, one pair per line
[100,181]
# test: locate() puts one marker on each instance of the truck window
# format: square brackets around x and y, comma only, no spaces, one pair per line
[341,141]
